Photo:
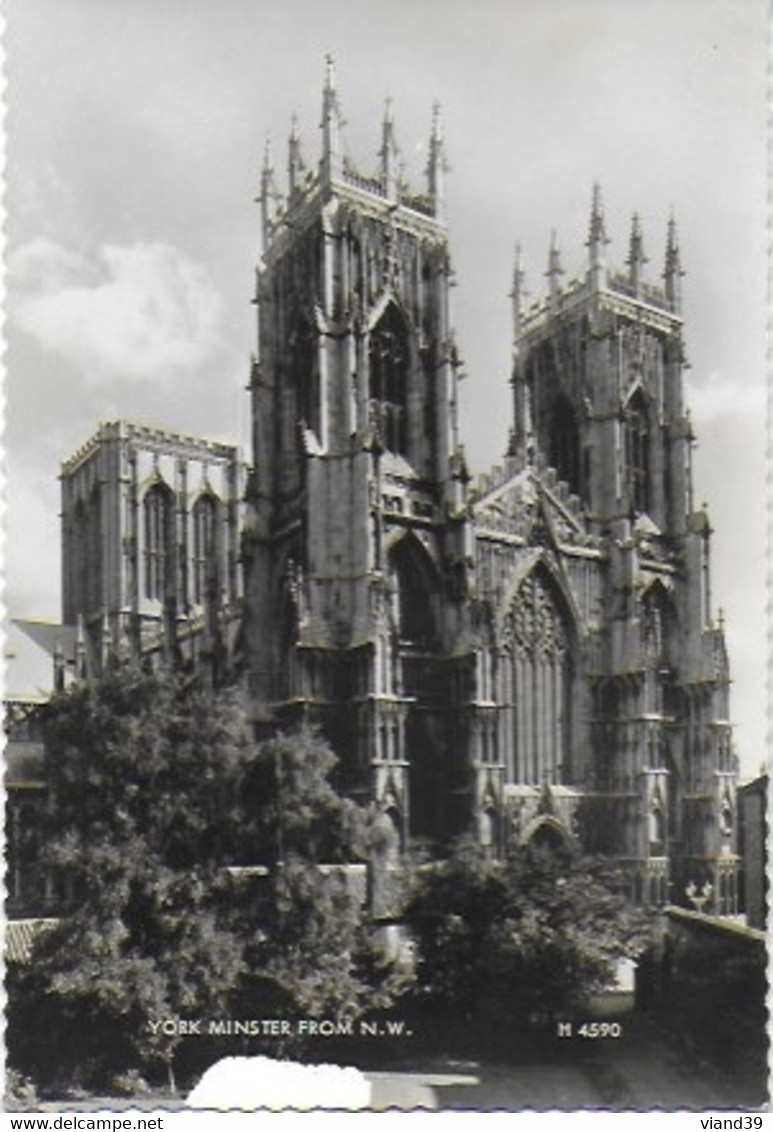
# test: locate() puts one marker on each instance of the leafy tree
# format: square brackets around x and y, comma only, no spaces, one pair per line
[146,756]
[503,943]
[291,808]
[318,948]
[156,787]
[142,772]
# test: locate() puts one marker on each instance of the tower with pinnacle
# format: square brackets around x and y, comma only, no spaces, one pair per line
[598,383]
[532,657]
[358,525]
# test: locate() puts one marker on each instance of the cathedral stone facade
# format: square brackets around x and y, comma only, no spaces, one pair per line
[532,656]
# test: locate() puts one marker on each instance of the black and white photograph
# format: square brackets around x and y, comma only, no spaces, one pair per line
[385,640]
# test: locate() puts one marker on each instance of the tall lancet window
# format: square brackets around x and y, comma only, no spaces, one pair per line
[537,653]
[565,443]
[158,513]
[305,371]
[414,585]
[637,452]
[389,364]
[79,557]
[205,571]
[93,576]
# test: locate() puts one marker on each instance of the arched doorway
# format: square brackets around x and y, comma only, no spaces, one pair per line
[547,835]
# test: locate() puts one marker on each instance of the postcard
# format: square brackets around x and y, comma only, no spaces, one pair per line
[385,560]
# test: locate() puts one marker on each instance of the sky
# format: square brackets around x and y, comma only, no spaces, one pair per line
[136,130]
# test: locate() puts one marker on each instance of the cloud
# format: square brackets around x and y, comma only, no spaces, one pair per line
[31,558]
[144,312]
[717,399]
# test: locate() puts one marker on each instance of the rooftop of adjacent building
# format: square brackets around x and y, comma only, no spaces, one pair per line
[31,650]
[20,936]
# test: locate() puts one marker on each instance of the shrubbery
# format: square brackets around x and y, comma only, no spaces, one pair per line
[502,945]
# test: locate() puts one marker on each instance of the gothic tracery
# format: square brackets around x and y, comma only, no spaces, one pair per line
[536,650]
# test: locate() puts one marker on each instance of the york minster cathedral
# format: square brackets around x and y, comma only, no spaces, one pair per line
[531,655]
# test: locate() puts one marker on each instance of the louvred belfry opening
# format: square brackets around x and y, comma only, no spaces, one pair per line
[389,369]
[637,452]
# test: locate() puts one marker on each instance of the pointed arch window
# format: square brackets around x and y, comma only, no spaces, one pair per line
[536,667]
[79,556]
[658,625]
[305,371]
[637,452]
[158,515]
[413,577]
[565,443]
[93,549]
[389,364]
[204,522]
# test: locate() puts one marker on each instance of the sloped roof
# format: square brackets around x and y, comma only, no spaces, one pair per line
[29,648]
[20,935]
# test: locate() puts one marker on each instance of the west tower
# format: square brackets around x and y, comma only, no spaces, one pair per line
[598,380]
[358,529]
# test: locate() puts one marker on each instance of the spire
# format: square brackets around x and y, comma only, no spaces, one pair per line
[517,293]
[555,270]
[388,153]
[332,149]
[673,270]
[597,239]
[636,257]
[268,193]
[522,435]
[437,167]
[295,166]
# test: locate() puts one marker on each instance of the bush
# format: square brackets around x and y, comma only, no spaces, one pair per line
[502,945]
[20,1092]
[129,1084]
